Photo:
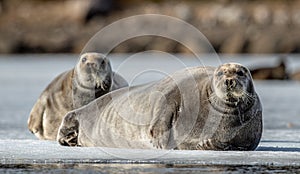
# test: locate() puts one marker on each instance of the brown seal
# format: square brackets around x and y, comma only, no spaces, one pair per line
[200,108]
[91,78]
[278,72]
[296,76]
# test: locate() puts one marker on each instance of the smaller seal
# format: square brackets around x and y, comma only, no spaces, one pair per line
[199,108]
[295,76]
[278,72]
[91,78]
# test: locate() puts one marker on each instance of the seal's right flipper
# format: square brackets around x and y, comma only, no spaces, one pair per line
[68,131]
[161,132]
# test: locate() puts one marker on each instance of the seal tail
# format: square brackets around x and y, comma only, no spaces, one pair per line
[35,120]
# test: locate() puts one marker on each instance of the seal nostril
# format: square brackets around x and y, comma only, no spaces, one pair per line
[231,82]
[227,83]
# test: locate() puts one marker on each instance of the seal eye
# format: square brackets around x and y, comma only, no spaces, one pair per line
[240,73]
[83,60]
[220,73]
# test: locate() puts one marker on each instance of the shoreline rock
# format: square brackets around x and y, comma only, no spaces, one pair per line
[36,26]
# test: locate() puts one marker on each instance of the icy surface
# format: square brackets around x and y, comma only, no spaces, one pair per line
[273,150]
[23,78]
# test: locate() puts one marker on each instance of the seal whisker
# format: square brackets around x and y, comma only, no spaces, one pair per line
[246,97]
[213,98]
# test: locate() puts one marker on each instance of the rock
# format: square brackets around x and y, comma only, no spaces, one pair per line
[230,26]
[183,11]
[263,41]
[162,44]
[234,43]
[281,17]
[261,14]
[296,17]
[230,15]
[207,17]
[98,8]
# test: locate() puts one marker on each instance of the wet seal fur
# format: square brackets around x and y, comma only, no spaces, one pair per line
[91,78]
[200,108]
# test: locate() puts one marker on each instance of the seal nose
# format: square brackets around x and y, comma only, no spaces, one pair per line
[92,65]
[230,83]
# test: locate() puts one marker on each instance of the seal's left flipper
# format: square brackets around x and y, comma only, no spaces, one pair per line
[70,139]
[68,131]
[210,144]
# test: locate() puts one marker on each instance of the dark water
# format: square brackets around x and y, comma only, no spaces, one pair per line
[143,168]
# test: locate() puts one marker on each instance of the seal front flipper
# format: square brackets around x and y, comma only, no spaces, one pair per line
[161,132]
[68,131]
[211,144]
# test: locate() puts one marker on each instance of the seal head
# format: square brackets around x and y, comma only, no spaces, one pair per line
[235,110]
[94,71]
[93,77]
[232,83]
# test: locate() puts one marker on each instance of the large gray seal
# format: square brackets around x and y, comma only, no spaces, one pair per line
[91,78]
[199,108]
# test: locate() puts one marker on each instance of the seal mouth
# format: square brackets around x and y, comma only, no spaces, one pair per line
[234,95]
[100,80]
[230,97]
[96,77]
[233,90]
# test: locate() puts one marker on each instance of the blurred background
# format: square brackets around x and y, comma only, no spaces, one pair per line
[232,26]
